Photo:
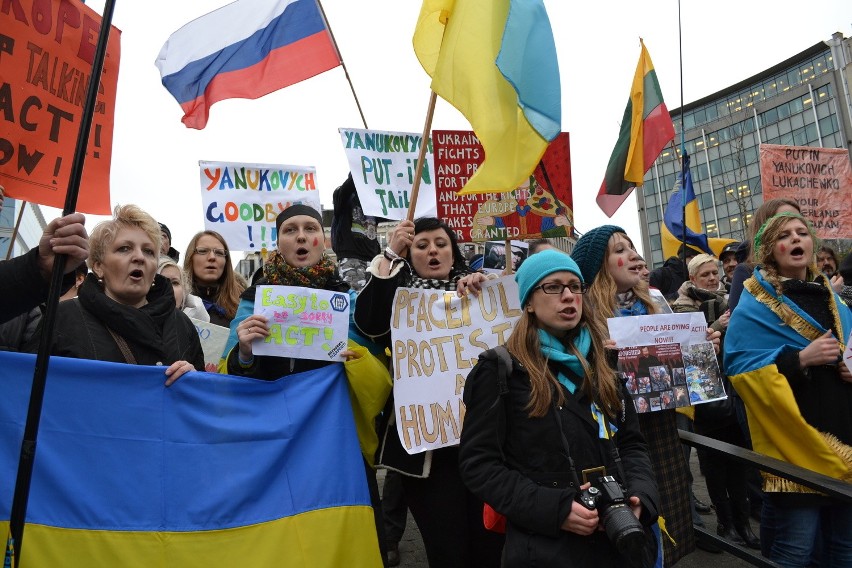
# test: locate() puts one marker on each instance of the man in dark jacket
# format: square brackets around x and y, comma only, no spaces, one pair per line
[668,278]
[353,235]
[729,260]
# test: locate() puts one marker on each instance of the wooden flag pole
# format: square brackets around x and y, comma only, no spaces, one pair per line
[15,230]
[508,269]
[415,188]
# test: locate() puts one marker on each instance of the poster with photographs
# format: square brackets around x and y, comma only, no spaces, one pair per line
[670,364]
[494,259]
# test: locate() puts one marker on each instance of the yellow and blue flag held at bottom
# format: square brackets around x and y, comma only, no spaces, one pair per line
[213,471]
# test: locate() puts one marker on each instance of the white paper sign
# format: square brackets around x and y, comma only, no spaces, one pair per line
[213,338]
[666,361]
[847,355]
[660,300]
[382,166]
[436,340]
[241,201]
[304,323]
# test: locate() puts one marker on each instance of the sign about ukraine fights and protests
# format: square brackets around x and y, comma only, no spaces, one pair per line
[666,361]
[382,166]
[436,339]
[818,179]
[543,207]
[241,201]
[304,323]
[46,55]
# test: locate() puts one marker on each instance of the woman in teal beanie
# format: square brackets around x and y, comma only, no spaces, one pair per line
[559,393]
[610,264]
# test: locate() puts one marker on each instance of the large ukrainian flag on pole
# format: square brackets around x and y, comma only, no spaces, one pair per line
[212,471]
[495,61]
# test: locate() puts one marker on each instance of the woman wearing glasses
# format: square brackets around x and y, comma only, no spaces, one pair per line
[530,446]
[207,263]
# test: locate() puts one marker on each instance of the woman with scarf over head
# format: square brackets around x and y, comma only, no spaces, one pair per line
[207,264]
[425,254]
[783,354]
[125,312]
[300,260]
[611,266]
[561,393]
[726,479]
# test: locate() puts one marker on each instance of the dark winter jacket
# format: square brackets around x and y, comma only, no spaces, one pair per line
[668,278]
[353,234]
[17,333]
[22,286]
[517,465]
[157,333]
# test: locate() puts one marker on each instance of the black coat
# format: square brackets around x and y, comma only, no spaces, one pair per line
[157,333]
[532,485]
[22,286]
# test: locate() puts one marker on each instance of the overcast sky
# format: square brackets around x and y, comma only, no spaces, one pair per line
[155,157]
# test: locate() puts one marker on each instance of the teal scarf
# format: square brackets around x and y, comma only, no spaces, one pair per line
[555,350]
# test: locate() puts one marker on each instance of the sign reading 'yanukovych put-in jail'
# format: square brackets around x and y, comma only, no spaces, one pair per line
[436,340]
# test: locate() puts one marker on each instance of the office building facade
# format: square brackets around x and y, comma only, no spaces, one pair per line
[802,101]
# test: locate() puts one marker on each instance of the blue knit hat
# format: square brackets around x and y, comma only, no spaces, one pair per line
[589,251]
[539,265]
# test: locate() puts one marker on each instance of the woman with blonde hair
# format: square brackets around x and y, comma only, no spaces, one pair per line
[559,414]
[190,304]
[125,311]
[784,355]
[207,264]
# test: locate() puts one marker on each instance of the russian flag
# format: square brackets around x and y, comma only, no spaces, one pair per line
[244,50]
[214,471]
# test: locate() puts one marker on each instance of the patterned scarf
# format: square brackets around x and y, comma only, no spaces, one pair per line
[436,284]
[278,272]
[627,304]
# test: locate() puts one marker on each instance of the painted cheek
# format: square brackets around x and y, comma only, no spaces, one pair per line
[782,247]
[620,262]
[316,241]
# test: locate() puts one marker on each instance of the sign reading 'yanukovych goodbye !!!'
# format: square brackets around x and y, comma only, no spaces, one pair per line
[818,179]
[436,340]
[241,201]
[304,323]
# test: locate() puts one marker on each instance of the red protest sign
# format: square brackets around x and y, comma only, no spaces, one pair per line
[543,207]
[818,179]
[46,54]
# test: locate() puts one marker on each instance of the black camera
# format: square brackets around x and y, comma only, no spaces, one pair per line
[622,527]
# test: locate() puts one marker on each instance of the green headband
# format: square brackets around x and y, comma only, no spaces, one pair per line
[759,236]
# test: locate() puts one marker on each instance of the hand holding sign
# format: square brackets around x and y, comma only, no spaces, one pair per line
[253,327]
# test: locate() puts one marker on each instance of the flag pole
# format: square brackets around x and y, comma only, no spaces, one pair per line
[342,63]
[17,518]
[15,230]
[421,157]
[682,143]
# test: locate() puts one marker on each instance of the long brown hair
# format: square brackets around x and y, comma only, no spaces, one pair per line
[603,291]
[600,382]
[765,254]
[228,287]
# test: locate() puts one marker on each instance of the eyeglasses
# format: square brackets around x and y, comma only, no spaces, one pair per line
[204,251]
[558,287]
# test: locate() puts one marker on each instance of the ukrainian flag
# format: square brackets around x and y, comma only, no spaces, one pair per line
[672,230]
[213,471]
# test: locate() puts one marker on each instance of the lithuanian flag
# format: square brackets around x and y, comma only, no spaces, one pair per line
[214,471]
[645,130]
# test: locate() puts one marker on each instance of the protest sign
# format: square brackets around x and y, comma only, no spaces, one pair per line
[542,207]
[47,50]
[660,301]
[241,201]
[213,338]
[666,361]
[818,179]
[304,323]
[494,259]
[436,340]
[382,166]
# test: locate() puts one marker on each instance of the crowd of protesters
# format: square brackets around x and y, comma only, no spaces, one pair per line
[547,406]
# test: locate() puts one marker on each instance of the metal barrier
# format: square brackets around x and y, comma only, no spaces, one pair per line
[827,485]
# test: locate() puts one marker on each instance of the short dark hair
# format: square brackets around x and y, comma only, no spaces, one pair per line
[430,224]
